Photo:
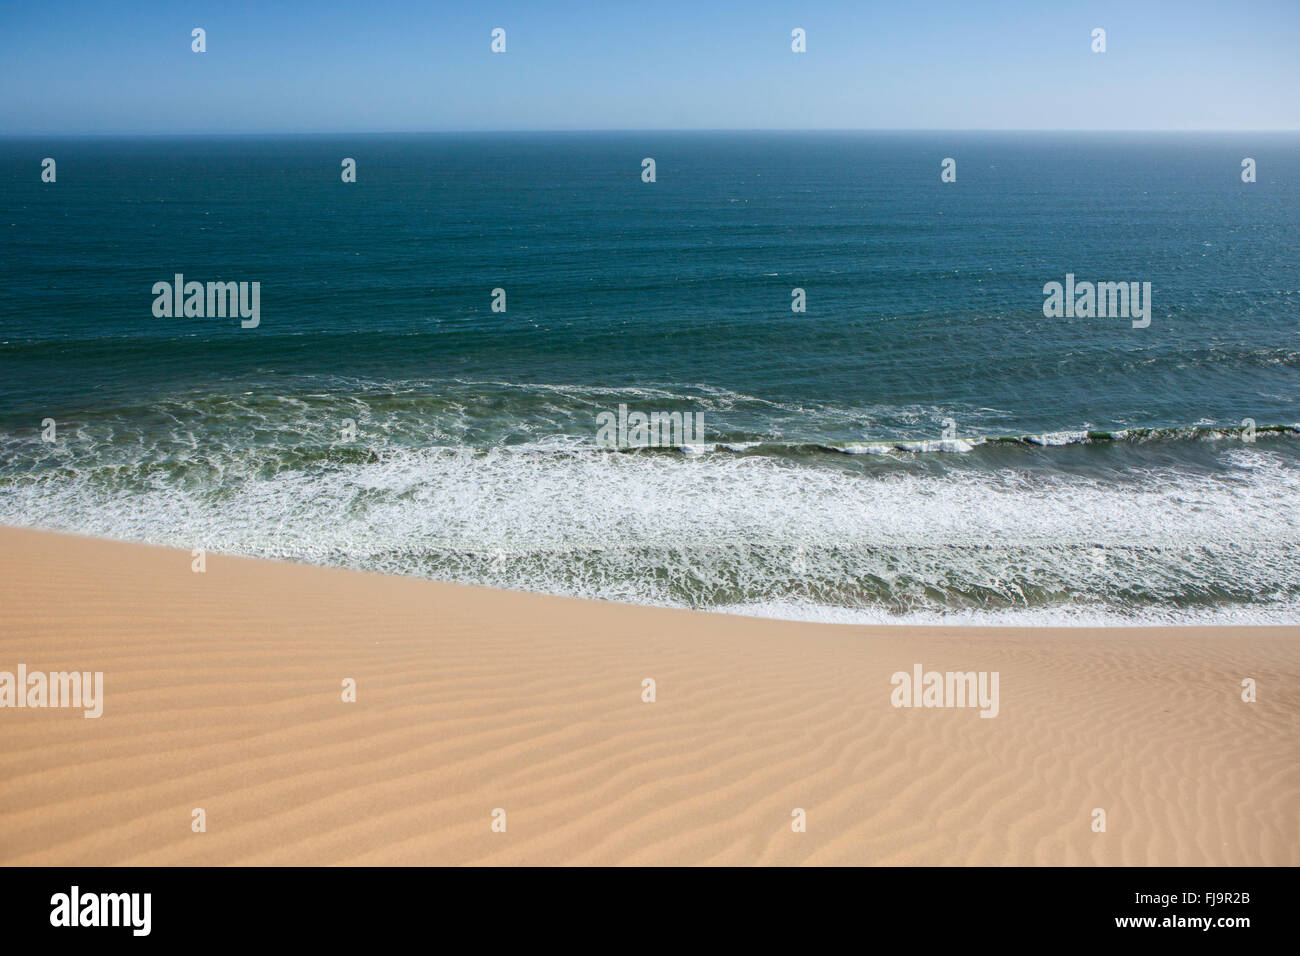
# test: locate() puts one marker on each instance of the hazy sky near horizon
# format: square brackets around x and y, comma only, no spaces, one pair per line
[397,65]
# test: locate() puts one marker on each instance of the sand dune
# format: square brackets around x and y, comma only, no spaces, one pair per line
[223,691]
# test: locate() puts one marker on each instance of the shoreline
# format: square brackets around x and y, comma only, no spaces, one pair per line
[222,692]
[809,615]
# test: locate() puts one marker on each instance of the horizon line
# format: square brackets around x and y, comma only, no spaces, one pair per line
[646,129]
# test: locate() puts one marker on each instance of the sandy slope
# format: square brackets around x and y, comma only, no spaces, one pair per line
[223,691]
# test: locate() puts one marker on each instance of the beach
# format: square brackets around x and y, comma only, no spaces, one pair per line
[223,691]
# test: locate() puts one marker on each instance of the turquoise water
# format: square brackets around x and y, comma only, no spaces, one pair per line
[920,444]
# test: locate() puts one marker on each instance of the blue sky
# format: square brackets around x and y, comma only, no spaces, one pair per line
[326,66]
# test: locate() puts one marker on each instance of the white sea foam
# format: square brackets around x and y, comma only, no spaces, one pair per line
[949,445]
[1064,615]
[715,530]
[1053,439]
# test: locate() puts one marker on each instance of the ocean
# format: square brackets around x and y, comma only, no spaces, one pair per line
[921,444]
